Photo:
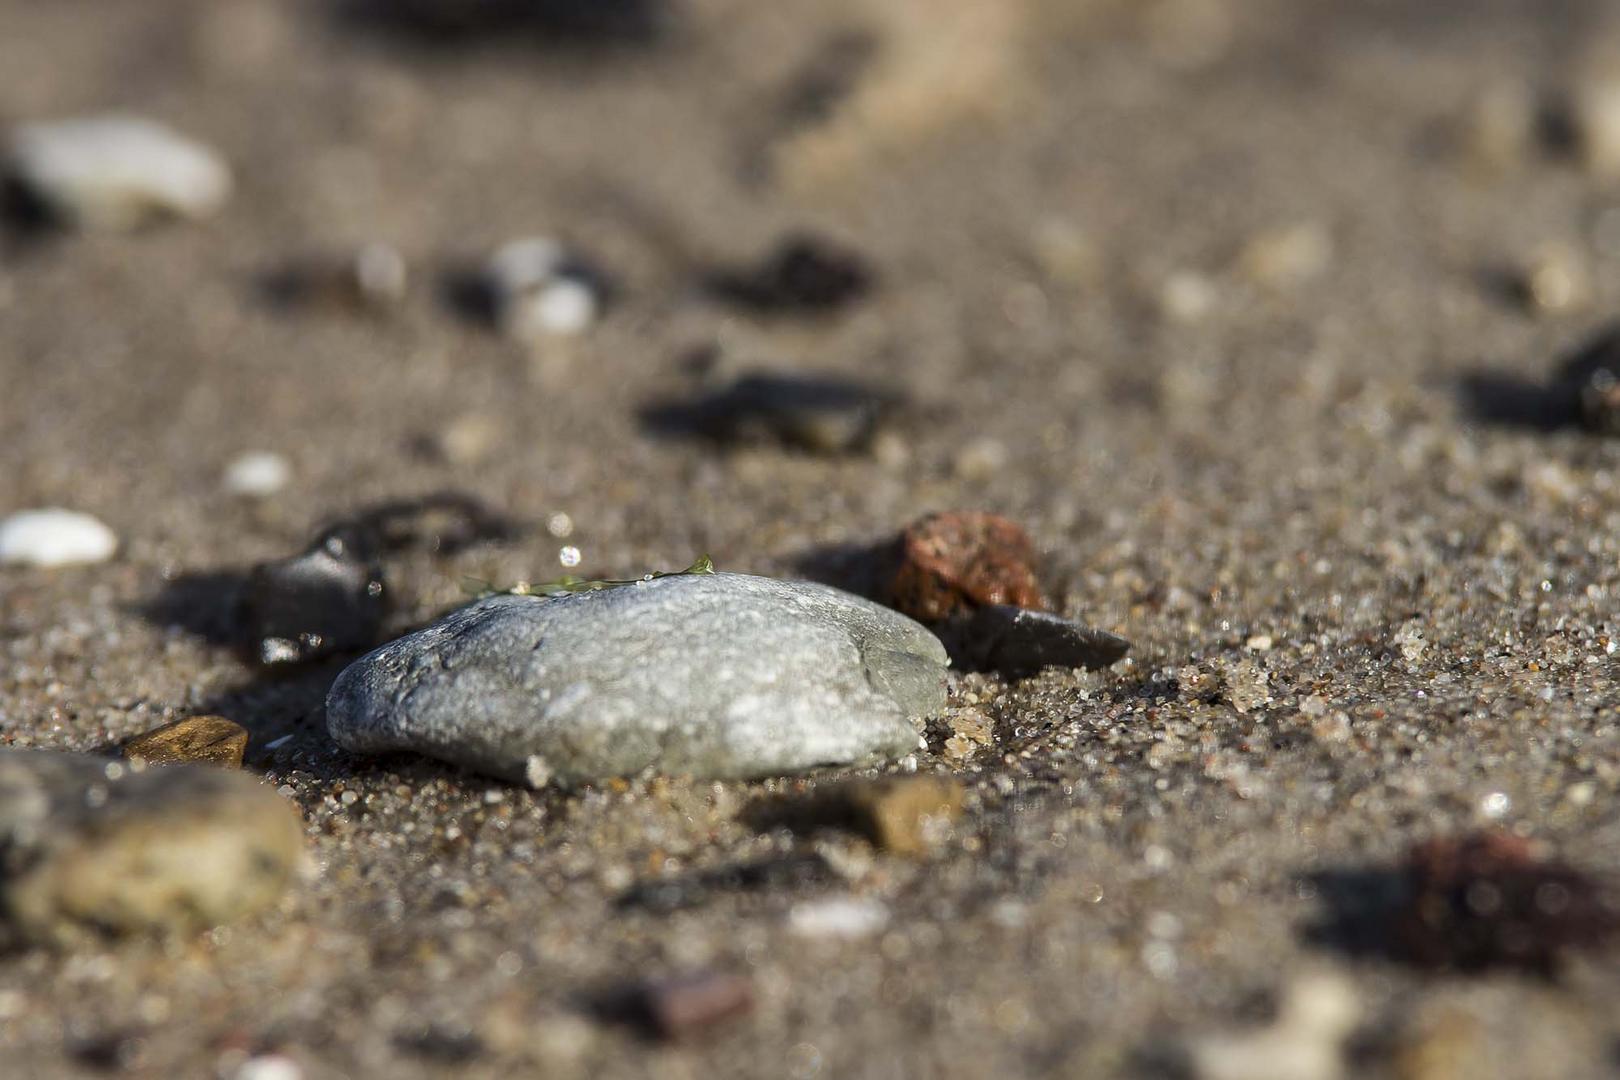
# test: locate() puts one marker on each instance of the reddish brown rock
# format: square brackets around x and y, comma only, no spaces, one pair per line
[1491,900]
[957,561]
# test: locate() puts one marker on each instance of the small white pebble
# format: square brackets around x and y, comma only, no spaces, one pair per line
[524,264]
[1187,296]
[55,537]
[1317,1012]
[1289,255]
[537,771]
[981,459]
[380,274]
[269,1067]
[1259,643]
[1158,857]
[535,298]
[838,917]
[562,308]
[257,474]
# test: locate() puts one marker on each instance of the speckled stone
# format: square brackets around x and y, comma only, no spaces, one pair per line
[715,675]
[94,847]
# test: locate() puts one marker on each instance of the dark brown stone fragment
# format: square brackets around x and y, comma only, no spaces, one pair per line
[1491,900]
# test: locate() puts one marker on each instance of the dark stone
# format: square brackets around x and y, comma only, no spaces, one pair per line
[1488,900]
[818,413]
[446,1045]
[1592,374]
[783,873]
[1016,642]
[803,275]
[331,598]
[449,23]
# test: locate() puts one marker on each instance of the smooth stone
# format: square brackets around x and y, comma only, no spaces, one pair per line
[331,598]
[712,675]
[55,537]
[94,847]
[116,172]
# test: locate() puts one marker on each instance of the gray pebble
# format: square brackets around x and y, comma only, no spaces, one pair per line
[713,675]
[91,846]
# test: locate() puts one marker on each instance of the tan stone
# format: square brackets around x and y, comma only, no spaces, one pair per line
[211,739]
[94,847]
[906,815]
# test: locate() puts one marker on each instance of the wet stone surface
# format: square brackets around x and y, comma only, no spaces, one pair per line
[329,599]
[713,675]
[91,847]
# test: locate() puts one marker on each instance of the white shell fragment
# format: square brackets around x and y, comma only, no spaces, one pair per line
[380,274]
[116,172]
[536,294]
[54,537]
[257,474]
[1317,1012]
[846,917]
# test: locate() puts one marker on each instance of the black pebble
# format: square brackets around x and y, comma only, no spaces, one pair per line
[802,275]
[331,598]
[824,414]
[1016,642]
